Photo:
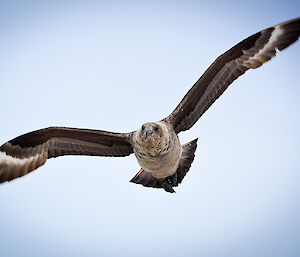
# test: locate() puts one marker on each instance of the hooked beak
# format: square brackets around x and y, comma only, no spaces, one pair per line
[148,133]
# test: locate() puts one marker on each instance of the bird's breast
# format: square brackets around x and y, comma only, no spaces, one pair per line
[161,160]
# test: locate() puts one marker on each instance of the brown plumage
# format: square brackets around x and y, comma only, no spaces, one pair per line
[163,159]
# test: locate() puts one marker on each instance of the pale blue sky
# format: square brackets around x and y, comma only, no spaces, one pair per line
[100,65]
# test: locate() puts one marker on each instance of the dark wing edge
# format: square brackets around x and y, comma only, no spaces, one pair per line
[30,151]
[250,53]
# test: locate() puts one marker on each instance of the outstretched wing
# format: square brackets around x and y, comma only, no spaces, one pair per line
[30,151]
[251,53]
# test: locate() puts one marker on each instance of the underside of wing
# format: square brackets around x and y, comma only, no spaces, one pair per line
[30,151]
[251,53]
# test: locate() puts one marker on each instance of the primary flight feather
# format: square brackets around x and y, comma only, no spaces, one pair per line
[164,161]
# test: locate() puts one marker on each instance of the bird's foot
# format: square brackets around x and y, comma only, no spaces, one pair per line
[169,182]
[167,186]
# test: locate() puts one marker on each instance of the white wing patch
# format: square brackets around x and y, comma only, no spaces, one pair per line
[13,167]
[9,160]
[267,52]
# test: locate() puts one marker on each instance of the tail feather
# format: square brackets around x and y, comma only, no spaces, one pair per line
[146,179]
[187,157]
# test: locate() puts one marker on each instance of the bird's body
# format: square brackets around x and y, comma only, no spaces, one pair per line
[158,154]
[156,145]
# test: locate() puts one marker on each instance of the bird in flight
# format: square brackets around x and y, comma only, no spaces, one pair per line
[163,159]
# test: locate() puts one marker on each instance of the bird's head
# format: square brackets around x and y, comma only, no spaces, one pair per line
[153,135]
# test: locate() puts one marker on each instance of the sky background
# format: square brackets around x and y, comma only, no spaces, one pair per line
[117,64]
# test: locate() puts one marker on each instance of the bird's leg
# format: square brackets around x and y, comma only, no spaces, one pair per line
[174,179]
[169,182]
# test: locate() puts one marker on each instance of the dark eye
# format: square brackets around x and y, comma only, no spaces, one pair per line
[143,127]
[156,129]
